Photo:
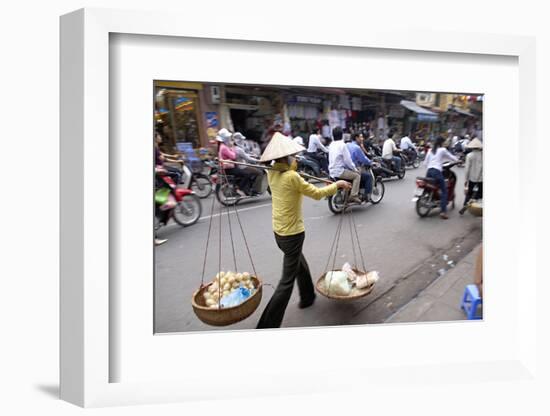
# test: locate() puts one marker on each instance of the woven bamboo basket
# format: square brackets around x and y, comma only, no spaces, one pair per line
[226,316]
[354,294]
[476,209]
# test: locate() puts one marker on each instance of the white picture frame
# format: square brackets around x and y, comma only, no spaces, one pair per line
[85,218]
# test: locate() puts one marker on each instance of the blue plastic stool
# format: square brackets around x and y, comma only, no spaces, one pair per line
[470,301]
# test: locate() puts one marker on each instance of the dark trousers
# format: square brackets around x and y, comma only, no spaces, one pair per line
[470,192]
[438,176]
[366,182]
[242,179]
[294,268]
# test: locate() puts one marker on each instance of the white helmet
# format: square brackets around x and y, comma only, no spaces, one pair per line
[238,137]
[223,136]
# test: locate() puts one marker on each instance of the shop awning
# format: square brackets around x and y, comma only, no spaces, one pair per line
[422,113]
[461,111]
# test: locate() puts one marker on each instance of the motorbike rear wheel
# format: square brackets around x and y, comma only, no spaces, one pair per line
[401,173]
[226,195]
[336,202]
[188,210]
[201,185]
[424,204]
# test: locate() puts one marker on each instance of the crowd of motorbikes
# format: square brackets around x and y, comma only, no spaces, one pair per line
[180,188]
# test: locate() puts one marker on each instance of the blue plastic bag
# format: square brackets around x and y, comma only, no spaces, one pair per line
[236,297]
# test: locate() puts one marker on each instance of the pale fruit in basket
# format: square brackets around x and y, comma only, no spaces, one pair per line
[214,306]
[231,279]
[239,277]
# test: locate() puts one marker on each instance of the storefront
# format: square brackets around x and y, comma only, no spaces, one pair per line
[178,106]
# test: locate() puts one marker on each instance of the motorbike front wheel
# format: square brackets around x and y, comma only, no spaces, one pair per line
[377,191]
[188,210]
[416,162]
[424,204]
[201,186]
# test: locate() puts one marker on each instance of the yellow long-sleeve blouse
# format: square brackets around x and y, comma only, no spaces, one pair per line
[287,190]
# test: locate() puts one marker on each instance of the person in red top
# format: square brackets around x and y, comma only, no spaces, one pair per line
[226,152]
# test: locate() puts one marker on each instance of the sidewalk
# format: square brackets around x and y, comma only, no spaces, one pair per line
[441,300]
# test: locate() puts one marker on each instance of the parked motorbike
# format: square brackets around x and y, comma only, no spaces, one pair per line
[175,202]
[226,188]
[427,195]
[337,202]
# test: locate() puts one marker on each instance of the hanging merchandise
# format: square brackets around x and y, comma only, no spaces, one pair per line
[349,282]
[232,295]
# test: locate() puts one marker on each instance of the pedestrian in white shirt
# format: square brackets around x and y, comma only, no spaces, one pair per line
[341,165]
[435,159]
[317,150]
[473,172]
[388,150]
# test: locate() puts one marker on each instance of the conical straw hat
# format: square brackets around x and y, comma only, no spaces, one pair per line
[475,144]
[280,146]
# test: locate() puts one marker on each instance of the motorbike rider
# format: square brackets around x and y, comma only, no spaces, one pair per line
[341,165]
[226,151]
[243,156]
[287,190]
[360,160]
[161,158]
[407,146]
[435,159]
[388,150]
[317,150]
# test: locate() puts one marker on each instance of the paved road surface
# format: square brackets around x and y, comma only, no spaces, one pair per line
[408,252]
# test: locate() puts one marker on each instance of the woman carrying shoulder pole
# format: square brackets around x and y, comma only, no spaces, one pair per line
[287,191]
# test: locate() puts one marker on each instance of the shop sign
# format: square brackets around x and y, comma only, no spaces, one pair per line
[427,117]
[211,119]
[306,100]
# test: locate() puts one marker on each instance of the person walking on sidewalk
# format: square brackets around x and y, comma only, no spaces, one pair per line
[287,191]
[473,172]
[341,165]
[435,159]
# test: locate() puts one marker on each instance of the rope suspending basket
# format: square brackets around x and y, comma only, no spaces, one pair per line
[208,300]
[325,284]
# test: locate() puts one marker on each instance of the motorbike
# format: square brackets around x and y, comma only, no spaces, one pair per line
[338,201]
[308,165]
[386,169]
[226,188]
[175,202]
[192,179]
[410,158]
[427,194]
